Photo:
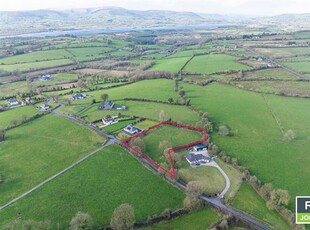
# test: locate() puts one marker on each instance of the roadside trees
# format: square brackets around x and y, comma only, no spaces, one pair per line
[81,221]
[193,190]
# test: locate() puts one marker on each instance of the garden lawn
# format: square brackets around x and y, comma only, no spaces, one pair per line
[40,149]
[207,64]
[256,139]
[249,201]
[119,125]
[97,186]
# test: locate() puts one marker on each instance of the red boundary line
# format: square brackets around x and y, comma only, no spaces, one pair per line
[172,172]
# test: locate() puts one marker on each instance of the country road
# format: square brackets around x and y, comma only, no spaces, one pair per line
[216,202]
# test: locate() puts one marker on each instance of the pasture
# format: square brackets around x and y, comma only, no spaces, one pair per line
[101,183]
[270,73]
[38,150]
[250,202]
[174,135]
[207,64]
[17,114]
[169,64]
[256,140]
[14,88]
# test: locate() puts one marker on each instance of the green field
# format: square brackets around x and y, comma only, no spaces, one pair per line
[197,220]
[207,64]
[250,202]
[39,149]
[170,64]
[35,65]
[13,88]
[88,53]
[148,110]
[36,56]
[174,135]
[58,78]
[283,52]
[17,114]
[256,140]
[303,67]
[97,186]
[271,73]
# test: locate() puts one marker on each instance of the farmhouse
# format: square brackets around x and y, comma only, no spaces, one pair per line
[110,120]
[44,107]
[30,100]
[131,130]
[79,96]
[197,159]
[107,105]
[13,102]
[46,77]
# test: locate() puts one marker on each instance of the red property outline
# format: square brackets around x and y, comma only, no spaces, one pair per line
[172,172]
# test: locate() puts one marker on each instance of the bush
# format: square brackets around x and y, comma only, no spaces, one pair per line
[81,221]
[223,130]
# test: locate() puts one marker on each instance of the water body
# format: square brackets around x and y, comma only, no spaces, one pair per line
[113,30]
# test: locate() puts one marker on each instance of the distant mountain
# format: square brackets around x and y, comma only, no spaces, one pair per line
[108,17]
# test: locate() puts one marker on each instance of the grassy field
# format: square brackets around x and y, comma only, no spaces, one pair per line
[58,78]
[146,124]
[197,220]
[36,56]
[169,64]
[271,73]
[160,89]
[207,64]
[88,53]
[100,184]
[283,52]
[249,201]
[187,53]
[39,149]
[256,139]
[303,67]
[17,114]
[14,88]
[291,88]
[35,65]
[174,135]
[148,110]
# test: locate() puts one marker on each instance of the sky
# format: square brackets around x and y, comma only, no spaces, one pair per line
[246,7]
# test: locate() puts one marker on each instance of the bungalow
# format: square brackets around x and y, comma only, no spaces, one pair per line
[132,130]
[200,147]
[197,159]
[110,120]
[79,96]
[107,105]
[44,107]
[13,102]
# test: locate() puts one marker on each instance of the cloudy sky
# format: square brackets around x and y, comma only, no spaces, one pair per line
[248,7]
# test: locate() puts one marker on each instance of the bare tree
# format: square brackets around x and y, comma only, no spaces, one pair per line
[123,217]
[162,115]
[223,130]
[81,221]
[138,144]
[289,135]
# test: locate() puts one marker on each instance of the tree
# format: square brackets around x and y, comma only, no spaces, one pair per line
[27,224]
[138,144]
[182,93]
[14,122]
[265,190]
[280,197]
[81,221]
[170,100]
[104,96]
[289,135]
[24,118]
[223,130]
[2,134]
[123,218]
[193,190]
